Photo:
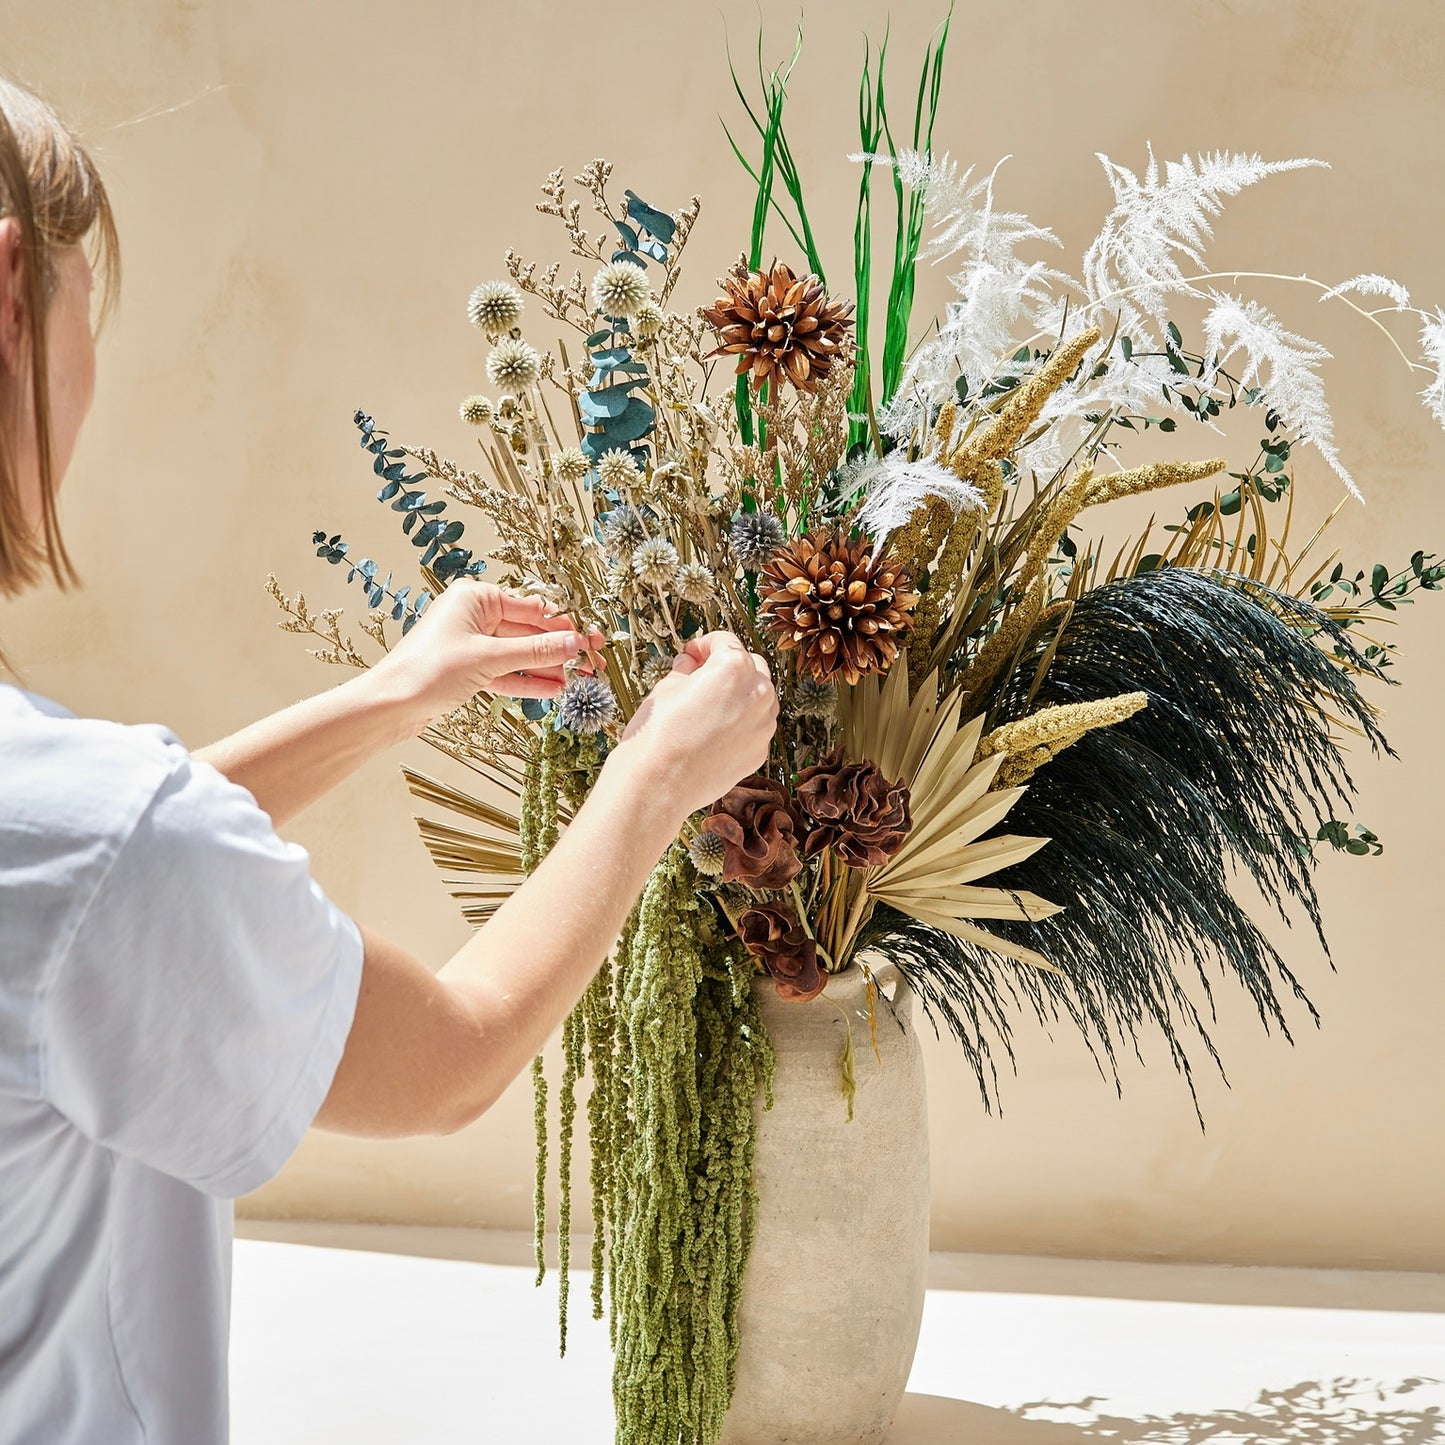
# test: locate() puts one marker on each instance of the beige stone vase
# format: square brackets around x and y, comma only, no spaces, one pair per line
[833,1294]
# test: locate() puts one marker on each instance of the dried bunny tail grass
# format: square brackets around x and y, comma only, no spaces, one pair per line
[1000,438]
[1038,738]
[1150,478]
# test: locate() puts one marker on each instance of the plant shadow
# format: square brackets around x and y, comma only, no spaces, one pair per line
[1329,1412]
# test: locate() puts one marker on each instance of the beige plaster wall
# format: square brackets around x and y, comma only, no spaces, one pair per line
[307,193]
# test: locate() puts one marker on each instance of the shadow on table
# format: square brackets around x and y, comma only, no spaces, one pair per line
[935,1420]
[1331,1412]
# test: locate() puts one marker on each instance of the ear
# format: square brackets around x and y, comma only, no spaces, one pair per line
[12,295]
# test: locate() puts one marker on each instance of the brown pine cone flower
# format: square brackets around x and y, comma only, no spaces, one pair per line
[755,822]
[789,955]
[780,326]
[842,604]
[854,810]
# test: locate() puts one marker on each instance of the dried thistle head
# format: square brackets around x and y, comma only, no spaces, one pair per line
[475,410]
[495,307]
[621,289]
[513,366]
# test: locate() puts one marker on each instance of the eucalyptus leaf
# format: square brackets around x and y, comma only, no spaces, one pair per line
[654,221]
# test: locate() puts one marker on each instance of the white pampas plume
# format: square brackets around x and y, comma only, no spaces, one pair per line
[1293,385]
[897,487]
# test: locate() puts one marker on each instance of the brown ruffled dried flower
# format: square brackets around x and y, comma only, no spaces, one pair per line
[791,958]
[853,809]
[755,822]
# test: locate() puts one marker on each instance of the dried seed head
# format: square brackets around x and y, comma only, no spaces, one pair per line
[753,537]
[495,306]
[513,366]
[812,698]
[657,667]
[586,705]
[622,532]
[476,410]
[621,289]
[617,469]
[695,583]
[707,852]
[571,464]
[655,563]
[648,321]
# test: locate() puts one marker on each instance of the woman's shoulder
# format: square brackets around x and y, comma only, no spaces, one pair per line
[73,779]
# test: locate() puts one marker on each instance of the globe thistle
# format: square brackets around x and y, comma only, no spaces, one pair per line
[657,667]
[618,581]
[586,705]
[648,321]
[495,306]
[623,532]
[695,583]
[476,410]
[707,852]
[571,464]
[753,537]
[617,469]
[812,698]
[655,563]
[513,366]
[621,289]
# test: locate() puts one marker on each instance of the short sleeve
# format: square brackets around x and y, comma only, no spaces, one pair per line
[196,1019]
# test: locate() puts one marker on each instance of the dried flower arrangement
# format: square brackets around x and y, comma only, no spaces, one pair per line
[905,542]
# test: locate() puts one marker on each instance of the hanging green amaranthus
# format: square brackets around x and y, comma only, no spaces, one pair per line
[678,1054]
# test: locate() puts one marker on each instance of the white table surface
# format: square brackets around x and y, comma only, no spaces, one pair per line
[352,1344]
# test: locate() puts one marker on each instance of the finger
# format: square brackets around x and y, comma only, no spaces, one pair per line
[761,663]
[518,608]
[519,684]
[533,653]
[506,628]
[712,643]
[530,613]
[546,674]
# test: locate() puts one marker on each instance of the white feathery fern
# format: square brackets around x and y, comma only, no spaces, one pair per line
[1432,346]
[1157,221]
[1001,294]
[1293,383]
[1371,284]
[896,486]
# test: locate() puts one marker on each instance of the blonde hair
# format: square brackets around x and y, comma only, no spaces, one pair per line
[51,187]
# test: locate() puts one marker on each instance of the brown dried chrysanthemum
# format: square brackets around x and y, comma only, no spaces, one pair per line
[780,326]
[853,809]
[844,605]
[755,822]
[775,936]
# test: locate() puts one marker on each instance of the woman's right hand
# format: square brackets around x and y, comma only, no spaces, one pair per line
[709,723]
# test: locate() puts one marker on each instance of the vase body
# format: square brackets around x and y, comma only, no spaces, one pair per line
[833,1294]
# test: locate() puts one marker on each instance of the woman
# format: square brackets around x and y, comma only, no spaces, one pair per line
[179,1002]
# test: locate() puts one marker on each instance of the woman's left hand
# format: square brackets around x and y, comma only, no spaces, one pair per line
[474,637]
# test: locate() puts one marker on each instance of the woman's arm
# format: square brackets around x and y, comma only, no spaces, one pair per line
[473,638]
[427,1054]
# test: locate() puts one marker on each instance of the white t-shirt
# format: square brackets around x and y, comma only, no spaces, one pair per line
[175,992]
